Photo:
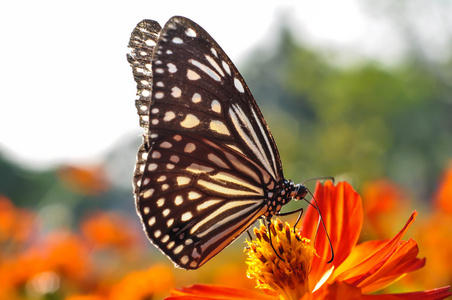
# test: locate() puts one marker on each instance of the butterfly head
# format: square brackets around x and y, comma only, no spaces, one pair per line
[298,192]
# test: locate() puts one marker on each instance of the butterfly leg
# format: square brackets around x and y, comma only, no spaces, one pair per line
[270,236]
[249,235]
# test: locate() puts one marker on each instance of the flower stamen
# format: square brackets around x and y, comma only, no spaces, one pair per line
[285,273]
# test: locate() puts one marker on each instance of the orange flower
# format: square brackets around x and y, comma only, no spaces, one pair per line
[435,238]
[383,202]
[102,230]
[15,223]
[305,274]
[86,180]
[443,197]
[141,285]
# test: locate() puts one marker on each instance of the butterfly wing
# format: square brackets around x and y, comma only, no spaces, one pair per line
[191,95]
[197,196]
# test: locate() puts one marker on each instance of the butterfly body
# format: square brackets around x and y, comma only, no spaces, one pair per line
[208,167]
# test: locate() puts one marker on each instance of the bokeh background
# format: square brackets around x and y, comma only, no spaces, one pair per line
[355,89]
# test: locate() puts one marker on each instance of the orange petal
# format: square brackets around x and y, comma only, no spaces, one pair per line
[391,260]
[342,212]
[444,192]
[338,290]
[206,291]
[435,294]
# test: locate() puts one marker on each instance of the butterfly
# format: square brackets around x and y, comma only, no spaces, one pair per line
[208,166]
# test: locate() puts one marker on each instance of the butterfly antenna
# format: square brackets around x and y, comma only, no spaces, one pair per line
[319,178]
[323,225]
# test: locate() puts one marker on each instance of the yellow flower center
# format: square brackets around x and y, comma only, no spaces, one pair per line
[288,277]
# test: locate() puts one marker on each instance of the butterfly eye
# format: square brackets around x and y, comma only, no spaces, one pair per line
[208,167]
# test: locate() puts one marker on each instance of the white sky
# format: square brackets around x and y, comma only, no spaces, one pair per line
[66,89]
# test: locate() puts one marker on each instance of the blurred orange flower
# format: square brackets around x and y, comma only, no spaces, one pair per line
[109,229]
[305,274]
[15,223]
[383,201]
[84,297]
[435,238]
[443,196]
[142,285]
[61,253]
[85,180]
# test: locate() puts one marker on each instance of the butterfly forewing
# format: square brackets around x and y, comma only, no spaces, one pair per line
[197,88]
[208,162]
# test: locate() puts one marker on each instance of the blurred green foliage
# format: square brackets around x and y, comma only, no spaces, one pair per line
[357,122]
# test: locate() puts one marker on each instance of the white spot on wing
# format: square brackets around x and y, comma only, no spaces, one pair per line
[184,259]
[165,238]
[177,40]
[169,115]
[178,200]
[196,98]
[219,127]
[238,85]
[186,216]
[214,52]
[190,121]
[152,167]
[172,68]
[160,202]
[148,193]
[190,32]
[176,92]
[216,106]
[174,158]
[150,43]
[178,249]
[182,180]
[166,145]
[192,75]
[193,195]
[226,67]
[189,148]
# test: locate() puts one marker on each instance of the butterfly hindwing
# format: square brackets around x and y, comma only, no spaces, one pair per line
[197,196]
